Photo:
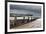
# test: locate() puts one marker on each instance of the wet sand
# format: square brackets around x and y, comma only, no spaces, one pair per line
[34,24]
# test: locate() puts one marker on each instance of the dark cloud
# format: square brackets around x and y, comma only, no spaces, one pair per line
[26,9]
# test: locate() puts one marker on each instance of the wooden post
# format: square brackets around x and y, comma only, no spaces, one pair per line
[14,21]
[28,18]
[31,18]
[23,19]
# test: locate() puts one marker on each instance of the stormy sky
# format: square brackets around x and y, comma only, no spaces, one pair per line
[25,9]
